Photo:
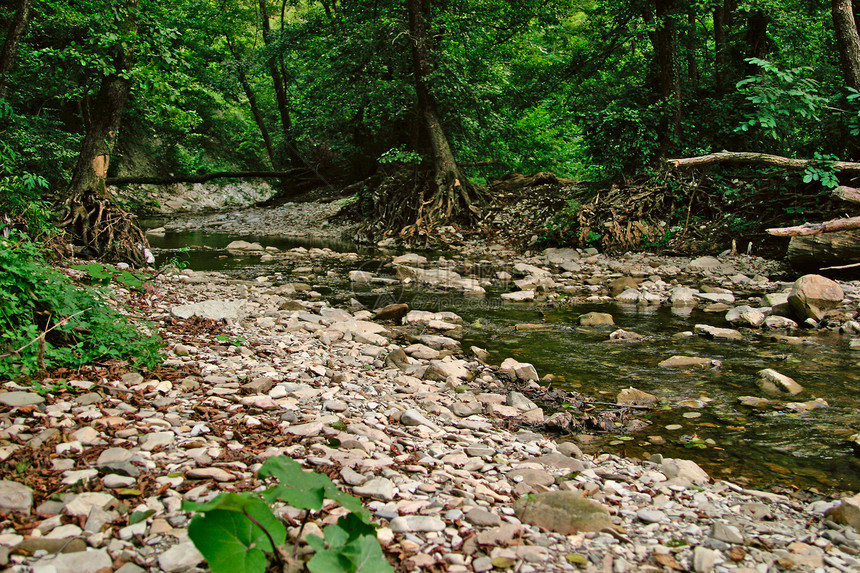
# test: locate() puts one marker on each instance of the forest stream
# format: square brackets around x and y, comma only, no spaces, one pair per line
[699,415]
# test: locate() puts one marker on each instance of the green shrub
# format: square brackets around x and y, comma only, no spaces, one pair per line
[46,321]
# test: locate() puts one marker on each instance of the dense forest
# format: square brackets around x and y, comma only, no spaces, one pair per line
[591,90]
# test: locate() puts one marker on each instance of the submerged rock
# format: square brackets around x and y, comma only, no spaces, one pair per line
[688,362]
[772,382]
[596,319]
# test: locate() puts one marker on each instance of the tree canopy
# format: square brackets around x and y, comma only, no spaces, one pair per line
[588,89]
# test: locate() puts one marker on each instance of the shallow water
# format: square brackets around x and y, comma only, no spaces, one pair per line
[766,447]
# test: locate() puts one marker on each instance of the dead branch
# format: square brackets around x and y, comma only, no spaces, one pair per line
[816,228]
[749,158]
[841,267]
[847,194]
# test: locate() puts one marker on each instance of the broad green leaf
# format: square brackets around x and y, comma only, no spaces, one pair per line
[248,506]
[305,489]
[225,501]
[96,271]
[230,542]
[139,516]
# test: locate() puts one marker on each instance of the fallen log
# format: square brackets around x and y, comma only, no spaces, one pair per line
[847,193]
[749,158]
[816,252]
[292,173]
[808,229]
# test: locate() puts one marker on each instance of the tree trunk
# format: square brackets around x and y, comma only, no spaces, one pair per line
[723,22]
[669,90]
[756,39]
[847,41]
[252,102]
[690,44]
[453,196]
[10,46]
[91,217]
[290,149]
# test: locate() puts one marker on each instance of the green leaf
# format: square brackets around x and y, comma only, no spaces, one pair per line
[251,508]
[139,516]
[305,489]
[96,271]
[230,542]
[351,547]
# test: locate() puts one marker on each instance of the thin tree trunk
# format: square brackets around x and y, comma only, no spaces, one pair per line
[723,22]
[252,102]
[454,195]
[690,37]
[847,40]
[91,217]
[290,149]
[669,89]
[13,38]
[756,39]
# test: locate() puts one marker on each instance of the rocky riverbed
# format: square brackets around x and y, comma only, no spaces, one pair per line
[445,449]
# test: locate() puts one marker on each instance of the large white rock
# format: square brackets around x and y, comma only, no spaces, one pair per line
[180,557]
[211,309]
[685,470]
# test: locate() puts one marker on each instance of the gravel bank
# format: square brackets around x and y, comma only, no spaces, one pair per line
[406,420]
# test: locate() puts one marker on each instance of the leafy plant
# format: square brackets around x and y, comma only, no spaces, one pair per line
[239,533]
[777,95]
[103,274]
[232,340]
[48,321]
[823,170]
[400,155]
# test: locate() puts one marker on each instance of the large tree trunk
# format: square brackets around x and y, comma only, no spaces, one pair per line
[669,89]
[847,40]
[756,39]
[453,196]
[10,45]
[290,149]
[91,217]
[723,21]
[252,102]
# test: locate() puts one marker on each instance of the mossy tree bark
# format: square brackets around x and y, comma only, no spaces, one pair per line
[10,45]
[91,216]
[848,41]
[452,197]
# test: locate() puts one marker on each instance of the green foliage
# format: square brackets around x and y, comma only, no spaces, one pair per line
[822,170]
[239,533]
[400,155]
[103,274]
[778,96]
[46,321]
[20,191]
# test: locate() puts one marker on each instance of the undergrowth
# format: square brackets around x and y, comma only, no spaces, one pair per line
[46,321]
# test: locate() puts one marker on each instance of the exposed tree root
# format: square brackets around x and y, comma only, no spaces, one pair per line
[412,206]
[691,212]
[103,229]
